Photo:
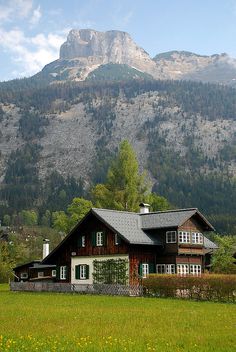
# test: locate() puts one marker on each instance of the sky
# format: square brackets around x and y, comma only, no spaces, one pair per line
[32,31]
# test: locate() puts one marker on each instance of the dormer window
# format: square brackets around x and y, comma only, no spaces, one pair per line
[171,237]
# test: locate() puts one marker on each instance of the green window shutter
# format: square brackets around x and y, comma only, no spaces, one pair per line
[93,238]
[104,238]
[80,241]
[151,268]
[140,269]
[118,239]
[87,271]
[77,272]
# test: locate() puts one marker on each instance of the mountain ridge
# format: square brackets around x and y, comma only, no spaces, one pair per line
[85,50]
[184,132]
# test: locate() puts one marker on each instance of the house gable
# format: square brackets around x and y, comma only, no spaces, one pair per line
[83,241]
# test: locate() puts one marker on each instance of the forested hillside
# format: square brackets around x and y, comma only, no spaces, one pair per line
[57,140]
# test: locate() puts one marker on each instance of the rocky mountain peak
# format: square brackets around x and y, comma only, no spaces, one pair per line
[97,48]
[87,50]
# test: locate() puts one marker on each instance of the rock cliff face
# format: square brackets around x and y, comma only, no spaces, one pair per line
[105,47]
[85,50]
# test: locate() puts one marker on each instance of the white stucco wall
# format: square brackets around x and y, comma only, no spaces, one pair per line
[89,261]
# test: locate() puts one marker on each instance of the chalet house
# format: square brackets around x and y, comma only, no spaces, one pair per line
[109,246]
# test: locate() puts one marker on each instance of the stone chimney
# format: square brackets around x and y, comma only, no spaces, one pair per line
[144,208]
[45,247]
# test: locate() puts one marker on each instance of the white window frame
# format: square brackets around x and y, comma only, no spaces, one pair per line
[170,236]
[82,271]
[24,275]
[160,268]
[83,241]
[184,237]
[197,238]
[40,274]
[54,273]
[63,272]
[195,269]
[183,269]
[170,269]
[99,239]
[145,270]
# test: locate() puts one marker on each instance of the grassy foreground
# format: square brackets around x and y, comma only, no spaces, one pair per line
[65,322]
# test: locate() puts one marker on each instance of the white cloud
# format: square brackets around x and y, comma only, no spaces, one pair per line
[15,9]
[36,16]
[30,54]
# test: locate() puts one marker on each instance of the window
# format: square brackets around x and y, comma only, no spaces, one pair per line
[99,239]
[195,269]
[171,237]
[160,268]
[165,268]
[82,272]
[184,237]
[83,241]
[24,276]
[40,274]
[182,269]
[145,270]
[62,272]
[54,273]
[197,238]
[170,269]
[117,239]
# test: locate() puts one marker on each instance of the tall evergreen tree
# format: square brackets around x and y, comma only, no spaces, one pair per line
[125,187]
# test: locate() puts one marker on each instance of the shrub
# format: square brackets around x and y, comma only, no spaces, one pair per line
[213,287]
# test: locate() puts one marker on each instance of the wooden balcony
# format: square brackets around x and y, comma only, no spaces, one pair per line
[191,250]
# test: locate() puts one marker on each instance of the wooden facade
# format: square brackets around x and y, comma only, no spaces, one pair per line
[78,248]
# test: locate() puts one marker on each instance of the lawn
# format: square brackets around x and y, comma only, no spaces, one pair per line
[69,322]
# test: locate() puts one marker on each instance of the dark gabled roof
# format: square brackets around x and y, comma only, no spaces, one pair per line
[42,266]
[128,225]
[171,218]
[134,227]
[33,262]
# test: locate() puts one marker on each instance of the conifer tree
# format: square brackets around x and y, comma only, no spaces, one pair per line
[125,187]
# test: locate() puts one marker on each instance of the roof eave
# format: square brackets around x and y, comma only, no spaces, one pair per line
[210,227]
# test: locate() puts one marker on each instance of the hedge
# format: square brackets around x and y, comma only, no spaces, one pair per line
[207,287]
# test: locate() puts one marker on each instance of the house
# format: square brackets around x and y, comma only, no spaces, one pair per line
[109,246]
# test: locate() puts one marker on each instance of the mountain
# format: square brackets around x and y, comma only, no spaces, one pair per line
[189,66]
[60,129]
[85,50]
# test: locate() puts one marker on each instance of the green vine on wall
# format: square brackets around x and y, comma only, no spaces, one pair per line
[111,271]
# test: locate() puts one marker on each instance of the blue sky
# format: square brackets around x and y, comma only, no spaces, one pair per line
[31,31]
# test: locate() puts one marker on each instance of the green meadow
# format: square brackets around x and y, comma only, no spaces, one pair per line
[70,322]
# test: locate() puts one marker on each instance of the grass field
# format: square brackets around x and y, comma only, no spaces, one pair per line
[66,322]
